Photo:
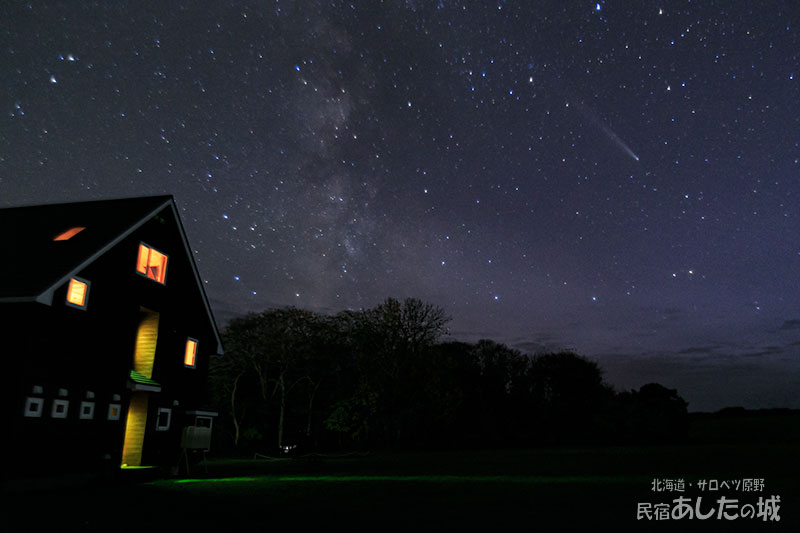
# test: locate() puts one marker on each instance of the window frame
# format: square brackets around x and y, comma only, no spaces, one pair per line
[90,414]
[150,249]
[194,355]
[34,407]
[118,407]
[159,425]
[86,283]
[54,413]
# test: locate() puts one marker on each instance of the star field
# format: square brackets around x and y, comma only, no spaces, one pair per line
[616,178]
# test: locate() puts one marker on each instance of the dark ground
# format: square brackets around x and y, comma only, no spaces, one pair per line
[572,489]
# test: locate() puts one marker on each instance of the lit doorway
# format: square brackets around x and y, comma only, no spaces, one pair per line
[143,359]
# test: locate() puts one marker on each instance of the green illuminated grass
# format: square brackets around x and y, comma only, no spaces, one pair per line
[528,480]
[568,489]
[211,480]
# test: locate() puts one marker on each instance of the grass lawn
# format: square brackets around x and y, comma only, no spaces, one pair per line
[563,489]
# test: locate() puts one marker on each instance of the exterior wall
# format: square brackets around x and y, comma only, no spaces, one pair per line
[90,352]
[49,348]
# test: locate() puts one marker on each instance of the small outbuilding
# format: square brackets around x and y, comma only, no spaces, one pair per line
[105,337]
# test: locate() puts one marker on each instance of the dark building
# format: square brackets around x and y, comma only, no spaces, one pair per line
[106,335]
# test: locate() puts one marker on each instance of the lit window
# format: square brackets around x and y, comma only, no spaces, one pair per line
[163,419]
[34,407]
[114,411]
[87,411]
[70,233]
[77,292]
[191,353]
[152,263]
[60,408]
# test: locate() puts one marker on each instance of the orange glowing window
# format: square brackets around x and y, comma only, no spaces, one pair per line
[191,353]
[77,292]
[152,263]
[70,233]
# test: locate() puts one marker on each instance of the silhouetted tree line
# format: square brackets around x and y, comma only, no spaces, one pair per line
[381,378]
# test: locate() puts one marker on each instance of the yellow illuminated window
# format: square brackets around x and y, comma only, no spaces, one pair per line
[113,411]
[191,353]
[151,263]
[70,233]
[77,291]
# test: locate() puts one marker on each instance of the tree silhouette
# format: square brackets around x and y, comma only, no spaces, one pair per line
[382,377]
[276,350]
[388,344]
[654,414]
[568,390]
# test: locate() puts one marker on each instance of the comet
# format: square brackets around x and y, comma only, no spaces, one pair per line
[619,142]
[597,121]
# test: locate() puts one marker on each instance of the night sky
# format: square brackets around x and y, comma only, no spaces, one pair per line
[617,178]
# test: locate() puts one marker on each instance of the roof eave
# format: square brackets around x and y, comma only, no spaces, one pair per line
[199,282]
[46,296]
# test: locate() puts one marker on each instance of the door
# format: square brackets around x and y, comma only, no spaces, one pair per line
[135,425]
[143,359]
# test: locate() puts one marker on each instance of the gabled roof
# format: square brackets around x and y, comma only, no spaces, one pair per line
[34,265]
